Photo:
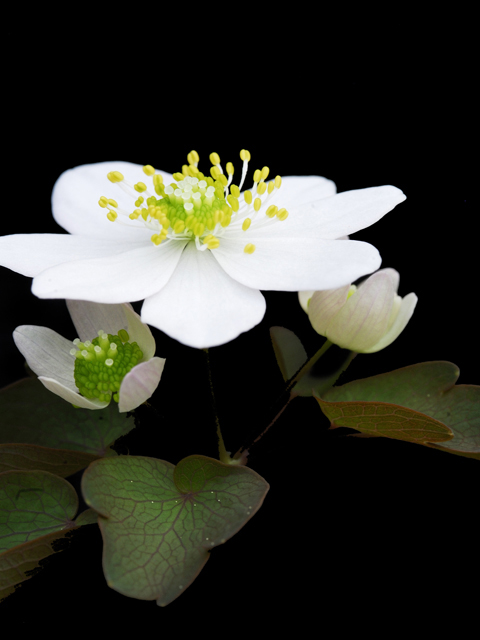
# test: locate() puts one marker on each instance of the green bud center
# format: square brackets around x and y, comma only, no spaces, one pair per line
[101,365]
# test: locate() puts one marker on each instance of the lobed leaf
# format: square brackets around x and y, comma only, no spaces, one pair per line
[428,390]
[31,415]
[159,521]
[34,504]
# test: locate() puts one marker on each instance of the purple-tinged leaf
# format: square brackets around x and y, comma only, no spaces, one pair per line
[427,389]
[159,521]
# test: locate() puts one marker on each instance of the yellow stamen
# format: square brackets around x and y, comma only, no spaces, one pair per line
[249,248]
[214,158]
[115,176]
[148,170]
[257,204]
[140,187]
[246,224]
[262,187]
[282,214]
[245,155]
[248,197]
[230,168]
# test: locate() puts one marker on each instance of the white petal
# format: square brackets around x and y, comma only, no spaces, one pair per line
[30,254]
[140,383]
[298,264]
[335,216]
[201,306]
[363,319]
[71,396]
[304,297]
[393,275]
[90,317]
[324,306]
[77,192]
[298,190]
[407,308]
[131,275]
[47,353]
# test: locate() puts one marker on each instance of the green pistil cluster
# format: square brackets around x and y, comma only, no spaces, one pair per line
[101,365]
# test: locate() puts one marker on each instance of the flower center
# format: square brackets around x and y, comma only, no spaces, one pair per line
[101,365]
[197,207]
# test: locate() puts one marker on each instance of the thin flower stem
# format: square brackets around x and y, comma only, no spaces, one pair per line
[223,455]
[284,400]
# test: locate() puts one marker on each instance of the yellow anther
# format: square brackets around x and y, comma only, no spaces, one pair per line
[219,193]
[115,176]
[282,214]
[257,203]
[157,239]
[178,176]
[148,170]
[233,202]
[185,170]
[179,226]
[157,179]
[135,214]
[257,175]
[262,187]
[139,201]
[214,172]
[193,157]
[265,172]
[193,171]
[271,186]
[103,202]
[112,216]
[248,197]
[218,216]
[230,168]
[151,200]
[278,182]
[112,203]
[245,155]
[209,181]
[140,187]
[235,190]
[213,243]
[271,211]
[226,220]
[214,158]
[246,223]
[249,248]
[199,228]
[222,178]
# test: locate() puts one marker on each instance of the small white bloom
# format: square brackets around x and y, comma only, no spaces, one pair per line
[364,319]
[195,247]
[99,362]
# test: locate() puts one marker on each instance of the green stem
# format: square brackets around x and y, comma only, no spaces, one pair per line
[284,400]
[222,452]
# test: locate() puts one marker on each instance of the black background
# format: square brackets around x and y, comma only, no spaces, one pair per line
[351,528]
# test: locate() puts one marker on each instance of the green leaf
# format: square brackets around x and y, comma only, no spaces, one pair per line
[428,390]
[36,509]
[20,563]
[291,356]
[159,521]
[289,351]
[33,415]
[33,504]
[31,457]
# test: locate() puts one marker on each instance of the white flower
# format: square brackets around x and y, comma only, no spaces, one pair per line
[201,284]
[364,319]
[53,358]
